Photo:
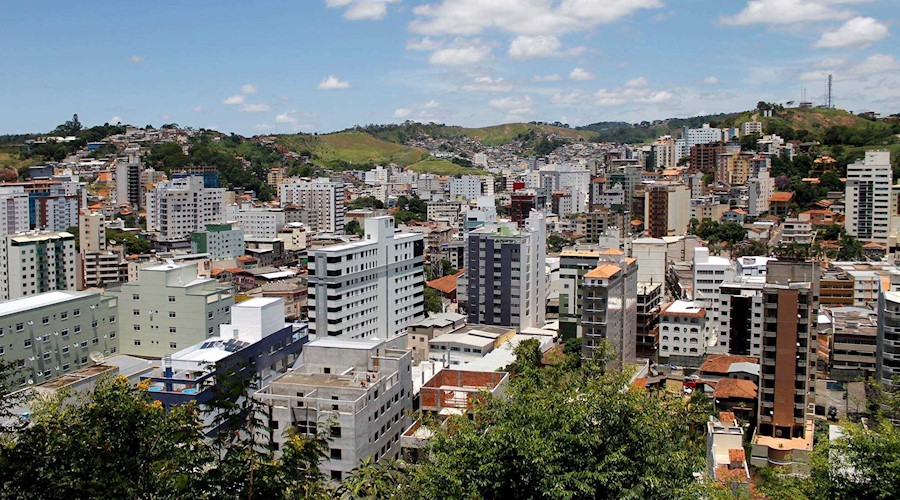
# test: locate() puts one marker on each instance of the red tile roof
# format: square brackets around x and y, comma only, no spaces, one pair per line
[781,197]
[719,363]
[732,388]
[446,284]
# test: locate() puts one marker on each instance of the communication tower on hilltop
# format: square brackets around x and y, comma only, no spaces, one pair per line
[829,103]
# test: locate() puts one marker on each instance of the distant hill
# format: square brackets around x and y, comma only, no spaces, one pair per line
[830,126]
[350,149]
[495,135]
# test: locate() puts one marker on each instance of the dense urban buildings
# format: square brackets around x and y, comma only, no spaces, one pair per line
[322,199]
[37,262]
[179,207]
[868,198]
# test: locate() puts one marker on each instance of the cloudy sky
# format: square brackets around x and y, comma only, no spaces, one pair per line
[323,65]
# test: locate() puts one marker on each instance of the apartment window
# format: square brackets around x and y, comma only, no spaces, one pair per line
[135,296]
[171,299]
[45,320]
[137,328]
[112,319]
[136,312]
[335,475]
[77,328]
[95,341]
[335,453]
[171,314]
[209,315]
[172,329]
[76,312]
[137,341]
[84,343]
[335,431]
[173,345]
[46,355]
[64,315]
[20,327]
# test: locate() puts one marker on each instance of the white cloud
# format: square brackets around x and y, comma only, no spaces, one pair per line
[858,32]
[135,59]
[402,113]
[332,83]
[789,12]
[361,9]
[426,43]
[114,120]
[512,102]
[525,17]
[461,52]
[287,117]
[248,88]
[619,96]
[432,104]
[487,84]
[637,82]
[255,107]
[547,78]
[234,100]
[711,80]
[198,109]
[531,47]
[581,74]
[568,98]
[841,69]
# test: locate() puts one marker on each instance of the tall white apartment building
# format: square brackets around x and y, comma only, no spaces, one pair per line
[372,288]
[37,262]
[709,273]
[168,308]
[256,221]
[506,273]
[683,333]
[91,231]
[468,187]
[740,316]
[702,135]
[571,179]
[748,128]
[759,189]
[13,210]
[322,198]
[219,241]
[57,209]
[179,207]
[663,150]
[868,198]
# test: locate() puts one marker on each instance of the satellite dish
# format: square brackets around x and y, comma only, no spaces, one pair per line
[97,357]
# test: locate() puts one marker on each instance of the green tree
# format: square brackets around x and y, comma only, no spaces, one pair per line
[433,301]
[353,227]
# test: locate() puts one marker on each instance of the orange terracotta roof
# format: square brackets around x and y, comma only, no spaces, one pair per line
[819,212]
[735,388]
[724,474]
[719,363]
[636,222]
[603,271]
[736,455]
[246,258]
[96,206]
[811,180]
[781,197]
[640,383]
[727,417]
[612,251]
[446,284]
[874,245]
[738,211]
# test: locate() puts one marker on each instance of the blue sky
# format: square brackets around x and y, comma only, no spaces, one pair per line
[324,65]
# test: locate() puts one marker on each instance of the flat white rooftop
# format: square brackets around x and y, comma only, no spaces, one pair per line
[683,307]
[40,300]
[366,344]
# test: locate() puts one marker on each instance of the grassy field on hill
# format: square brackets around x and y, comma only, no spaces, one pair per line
[495,135]
[444,167]
[350,150]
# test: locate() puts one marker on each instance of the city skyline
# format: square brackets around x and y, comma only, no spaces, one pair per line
[325,65]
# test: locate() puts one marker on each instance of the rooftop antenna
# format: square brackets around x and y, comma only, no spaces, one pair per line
[829,103]
[97,357]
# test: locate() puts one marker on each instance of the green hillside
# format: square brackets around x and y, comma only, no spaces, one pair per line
[829,126]
[350,149]
[495,135]
[444,167]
